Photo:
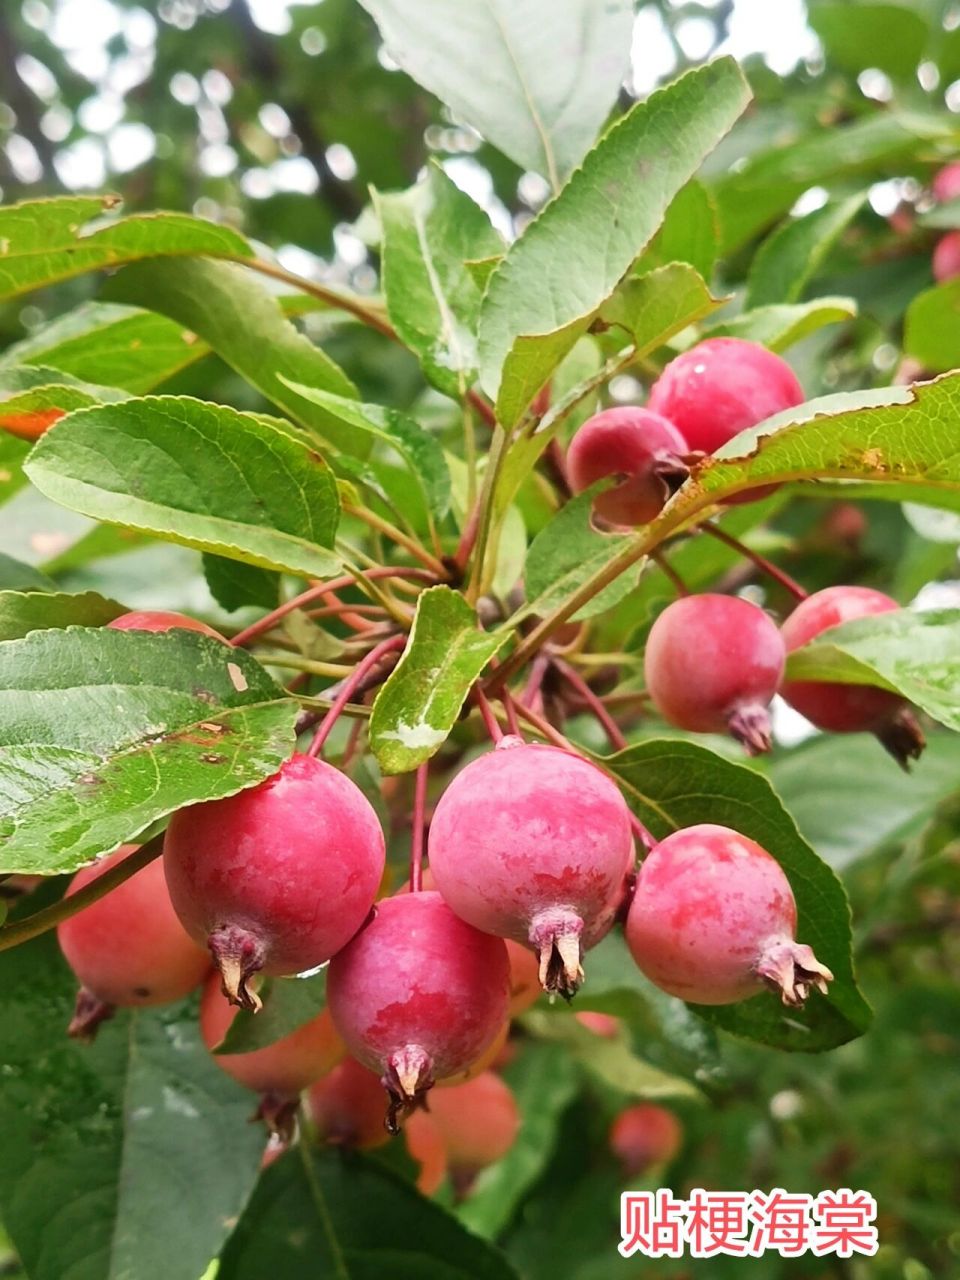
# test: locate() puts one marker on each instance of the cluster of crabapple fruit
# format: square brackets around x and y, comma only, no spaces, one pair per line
[713,663]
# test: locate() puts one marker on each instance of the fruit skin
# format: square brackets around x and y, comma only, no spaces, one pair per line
[279,877]
[638,444]
[720,387]
[946,182]
[479,1122]
[127,948]
[946,257]
[525,985]
[347,1107]
[643,1136]
[418,994]
[713,664]
[158,620]
[535,844]
[283,1069]
[713,918]
[426,1146]
[848,708]
[491,1055]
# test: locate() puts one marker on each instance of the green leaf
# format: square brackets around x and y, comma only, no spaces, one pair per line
[288,1003]
[125,1137]
[245,325]
[544,1081]
[105,731]
[790,257]
[856,37]
[932,327]
[535,306]
[780,326]
[690,232]
[537,80]
[42,241]
[116,346]
[419,703]
[13,452]
[420,450]
[915,654]
[653,307]
[195,473]
[234,584]
[671,784]
[567,552]
[434,303]
[17,576]
[823,783]
[311,1217]
[25,611]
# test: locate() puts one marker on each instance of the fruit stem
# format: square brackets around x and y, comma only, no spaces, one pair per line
[768,567]
[348,686]
[600,712]
[419,827]
[489,719]
[664,565]
[32,926]
[513,724]
[398,536]
[642,833]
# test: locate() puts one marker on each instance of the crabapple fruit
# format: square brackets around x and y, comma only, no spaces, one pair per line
[346,1106]
[713,664]
[849,708]
[418,994]
[490,1055]
[158,620]
[281,1070]
[128,947]
[641,446]
[425,1145]
[713,919]
[720,387]
[479,1122]
[276,878]
[643,1136]
[946,183]
[945,262]
[525,986]
[535,844]
[601,1024]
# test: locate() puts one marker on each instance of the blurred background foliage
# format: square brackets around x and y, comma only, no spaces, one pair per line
[274,117]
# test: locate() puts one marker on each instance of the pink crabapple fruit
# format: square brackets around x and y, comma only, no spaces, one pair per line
[946,183]
[720,387]
[713,920]
[945,263]
[347,1108]
[478,1121]
[849,708]
[426,1146]
[532,843]
[418,995]
[158,620]
[644,1136]
[127,948]
[641,446]
[713,664]
[276,878]
[279,1072]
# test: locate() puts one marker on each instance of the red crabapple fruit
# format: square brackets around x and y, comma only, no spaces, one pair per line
[525,985]
[158,620]
[849,708]
[276,878]
[644,1136]
[425,1145]
[720,387]
[946,257]
[347,1108]
[478,1121]
[713,664]
[128,947]
[279,1071]
[418,994]
[491,1055]
[713,920]
[535,844]
[946,183]
[634,443]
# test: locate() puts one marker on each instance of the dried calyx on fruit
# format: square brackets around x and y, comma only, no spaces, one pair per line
[642,447]
[418,995]
[277,878]
[535,844]
[713,664]
[713,920]
[849,708]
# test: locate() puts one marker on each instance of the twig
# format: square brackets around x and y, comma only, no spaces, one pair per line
[603,716]
[349,685]
[661,561]
[768,567]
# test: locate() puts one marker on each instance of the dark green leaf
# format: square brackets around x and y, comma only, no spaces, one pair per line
[287,1004]
[25,611]
[419,703]
[690,232]
[793,254]
[196,473]
[234,584]
[17,576]
[672,784]
[104,731]
[858,37]
[932,327]
[653,307]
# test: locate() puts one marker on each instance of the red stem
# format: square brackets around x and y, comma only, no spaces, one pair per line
[666,567]
[641,832]
[468,537]
[603,716]
[513,724]
[538,670]
[355,621]
[489,719]
[546,730]
[768,567]
[419,828]
[349,684]
[350,749]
